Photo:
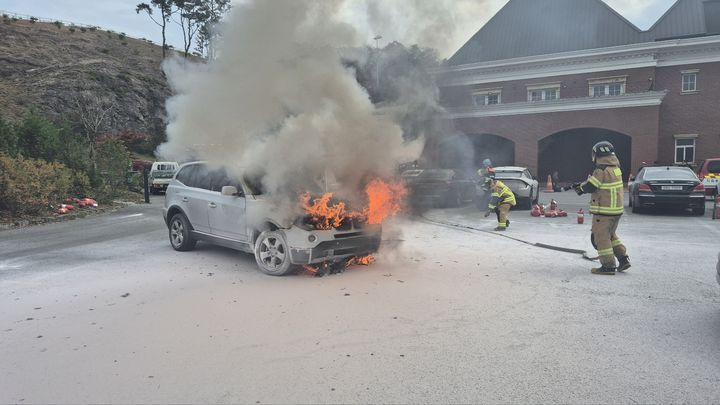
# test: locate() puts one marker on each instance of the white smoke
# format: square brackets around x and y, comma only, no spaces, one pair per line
[279,102]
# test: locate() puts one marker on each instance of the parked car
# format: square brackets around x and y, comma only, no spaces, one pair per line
[667,186]
[709,173]
[522,183]
[208,205]
[160,175]
[438,187]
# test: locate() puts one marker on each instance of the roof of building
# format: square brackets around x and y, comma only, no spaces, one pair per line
[539,27]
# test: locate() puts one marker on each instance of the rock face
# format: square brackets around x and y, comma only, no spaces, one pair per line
[52,67]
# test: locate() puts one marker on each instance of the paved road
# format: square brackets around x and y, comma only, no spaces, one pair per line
[103,310]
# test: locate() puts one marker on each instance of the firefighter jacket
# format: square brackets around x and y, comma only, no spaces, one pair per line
[501,194]
[606,186]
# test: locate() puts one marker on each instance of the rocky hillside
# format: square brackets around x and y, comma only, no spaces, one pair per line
[53,67]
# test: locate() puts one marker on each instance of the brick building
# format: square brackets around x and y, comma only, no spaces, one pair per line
[544,80]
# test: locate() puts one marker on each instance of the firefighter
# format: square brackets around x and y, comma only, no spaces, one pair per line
[501,201]
[606,186]
[482,195]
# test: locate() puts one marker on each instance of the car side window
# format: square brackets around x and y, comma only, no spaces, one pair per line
[202,178]
[186,174]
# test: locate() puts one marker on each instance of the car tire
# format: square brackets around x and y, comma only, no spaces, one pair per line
[179,233]
[272,253]
[698,211]
[453,200]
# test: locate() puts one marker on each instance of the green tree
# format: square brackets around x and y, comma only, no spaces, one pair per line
[8,138]
[213,11]
[38,138]
[166,8]
[112,167]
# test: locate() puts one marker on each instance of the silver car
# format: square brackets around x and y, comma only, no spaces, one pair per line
[208,205]
[525,187]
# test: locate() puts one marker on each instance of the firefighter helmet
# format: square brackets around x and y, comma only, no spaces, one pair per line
[602,148]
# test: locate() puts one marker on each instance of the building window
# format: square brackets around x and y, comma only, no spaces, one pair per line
[689,81]
[543,94]
[487,98]
[684,150]
[613,86]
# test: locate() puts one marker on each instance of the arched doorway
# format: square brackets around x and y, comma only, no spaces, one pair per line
[569,153]
[501,151]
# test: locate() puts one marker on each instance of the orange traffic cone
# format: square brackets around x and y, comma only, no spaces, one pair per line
[548,187]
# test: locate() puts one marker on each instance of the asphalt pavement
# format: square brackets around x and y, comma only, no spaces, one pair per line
[102,310]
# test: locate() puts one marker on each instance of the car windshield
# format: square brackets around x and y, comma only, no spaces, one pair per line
[714,166]
[254,185]
[669,173]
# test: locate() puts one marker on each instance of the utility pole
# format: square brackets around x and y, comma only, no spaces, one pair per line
[377,62]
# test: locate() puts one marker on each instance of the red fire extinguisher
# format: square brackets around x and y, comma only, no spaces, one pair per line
[581,216]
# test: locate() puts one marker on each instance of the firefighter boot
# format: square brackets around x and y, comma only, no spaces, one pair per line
[610,271]
[623,263]
[499,228]
[507,223]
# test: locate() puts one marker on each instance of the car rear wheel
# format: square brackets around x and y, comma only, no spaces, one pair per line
[272,254]
[698,211]
[179,232]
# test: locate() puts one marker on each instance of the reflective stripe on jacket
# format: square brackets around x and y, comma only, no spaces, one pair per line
[501,194]
[606,186]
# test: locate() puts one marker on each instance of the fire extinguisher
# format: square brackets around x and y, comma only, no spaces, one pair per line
[581,217]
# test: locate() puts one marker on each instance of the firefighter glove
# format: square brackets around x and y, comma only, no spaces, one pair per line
[487,214]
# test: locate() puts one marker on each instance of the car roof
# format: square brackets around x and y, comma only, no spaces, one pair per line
[510,168]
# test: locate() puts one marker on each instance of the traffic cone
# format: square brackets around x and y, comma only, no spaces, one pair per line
[548,187]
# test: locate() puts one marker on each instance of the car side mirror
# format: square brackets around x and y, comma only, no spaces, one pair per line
[230,190]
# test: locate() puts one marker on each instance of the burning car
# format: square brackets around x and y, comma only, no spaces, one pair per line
[208,205]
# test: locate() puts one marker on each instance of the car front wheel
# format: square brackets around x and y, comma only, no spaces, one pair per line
[179,231]
[272,254]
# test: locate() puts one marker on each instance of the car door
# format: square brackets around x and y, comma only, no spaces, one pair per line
[226,213]
[193,198]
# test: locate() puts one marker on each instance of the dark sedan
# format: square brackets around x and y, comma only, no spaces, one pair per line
[438,187]
[667,186]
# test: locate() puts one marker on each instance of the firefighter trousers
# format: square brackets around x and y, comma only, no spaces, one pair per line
[502,211]
[604,238]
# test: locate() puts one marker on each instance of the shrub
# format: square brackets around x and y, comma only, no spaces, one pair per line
[5,16]
[33,20]
[14,19]
[8,138]
[105,50]
[38,138]
[72,29]
[121,35]
[113,163]
[124,43]
[83,29]
[32,186]
[58,24]
[93,28]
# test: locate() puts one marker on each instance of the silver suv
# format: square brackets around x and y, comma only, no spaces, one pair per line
[208,205]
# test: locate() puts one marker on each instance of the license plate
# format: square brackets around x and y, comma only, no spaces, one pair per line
[672,187]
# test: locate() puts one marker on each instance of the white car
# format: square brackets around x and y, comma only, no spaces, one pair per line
[525,187]
[160,175]
[208,205]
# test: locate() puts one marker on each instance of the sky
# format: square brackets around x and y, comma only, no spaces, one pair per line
[120,16]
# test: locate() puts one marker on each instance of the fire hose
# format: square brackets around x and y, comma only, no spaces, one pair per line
[584,253]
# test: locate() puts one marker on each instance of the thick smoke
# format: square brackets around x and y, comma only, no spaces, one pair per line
[279,102]
[444,25]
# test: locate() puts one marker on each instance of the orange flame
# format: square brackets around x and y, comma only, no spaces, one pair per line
[360,260]
[384,199]
[323,215]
